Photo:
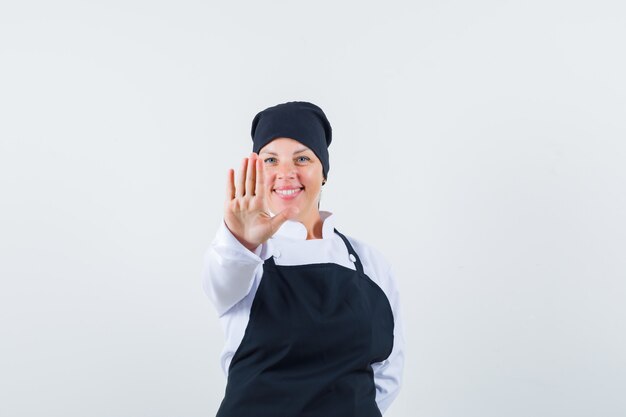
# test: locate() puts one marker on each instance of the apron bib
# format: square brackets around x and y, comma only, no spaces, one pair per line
[313,333]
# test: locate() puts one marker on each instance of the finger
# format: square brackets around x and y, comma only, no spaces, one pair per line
[230,185]
[251,176]
[282,217]
[260,179]
[242,178]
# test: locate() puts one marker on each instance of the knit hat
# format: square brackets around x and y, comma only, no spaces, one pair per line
[298,120]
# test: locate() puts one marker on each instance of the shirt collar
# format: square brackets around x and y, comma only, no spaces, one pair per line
[293,229]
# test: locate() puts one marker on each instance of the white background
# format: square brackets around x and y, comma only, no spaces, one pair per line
[479,145]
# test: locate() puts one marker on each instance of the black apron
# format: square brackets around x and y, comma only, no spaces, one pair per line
[313,333]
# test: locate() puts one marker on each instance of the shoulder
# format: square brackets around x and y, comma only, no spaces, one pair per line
[375,264]
[368,252]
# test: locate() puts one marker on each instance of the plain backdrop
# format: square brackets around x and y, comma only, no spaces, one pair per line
[480,146]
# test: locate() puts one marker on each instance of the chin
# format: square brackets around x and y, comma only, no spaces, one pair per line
[277,208]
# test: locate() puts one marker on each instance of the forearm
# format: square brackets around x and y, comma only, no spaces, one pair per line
[229,269]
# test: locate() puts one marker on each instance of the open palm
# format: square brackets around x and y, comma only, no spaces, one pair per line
[246,211]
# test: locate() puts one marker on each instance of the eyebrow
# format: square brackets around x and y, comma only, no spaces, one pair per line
[275,154]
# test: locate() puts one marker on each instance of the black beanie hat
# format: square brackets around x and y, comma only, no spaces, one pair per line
[298,120]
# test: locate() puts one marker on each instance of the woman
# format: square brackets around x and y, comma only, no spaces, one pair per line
[311,316]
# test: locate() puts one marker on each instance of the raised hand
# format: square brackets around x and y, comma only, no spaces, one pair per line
[246,211]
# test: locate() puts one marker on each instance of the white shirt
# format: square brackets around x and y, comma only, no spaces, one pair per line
[231,276]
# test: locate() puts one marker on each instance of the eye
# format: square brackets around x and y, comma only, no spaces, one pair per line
[303,159]
[269,160]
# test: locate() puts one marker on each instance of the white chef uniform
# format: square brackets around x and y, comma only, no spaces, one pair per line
[232,273]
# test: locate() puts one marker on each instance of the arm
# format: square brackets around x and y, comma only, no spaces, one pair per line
[232,259]
[229,269]
[388,373]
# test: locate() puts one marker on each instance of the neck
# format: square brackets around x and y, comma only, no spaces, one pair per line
[313,224]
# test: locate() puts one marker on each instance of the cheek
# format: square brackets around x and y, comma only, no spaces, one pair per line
[313,174]
[313,182]
[268,177]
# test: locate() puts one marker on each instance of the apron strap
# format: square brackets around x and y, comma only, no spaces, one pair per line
[270,262]
[353,256]
[352,253]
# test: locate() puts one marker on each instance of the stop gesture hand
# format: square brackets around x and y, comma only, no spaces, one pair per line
[246,210]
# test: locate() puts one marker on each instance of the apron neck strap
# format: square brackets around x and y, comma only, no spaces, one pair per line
[353,256]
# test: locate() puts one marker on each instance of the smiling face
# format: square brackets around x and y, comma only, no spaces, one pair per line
[293,176]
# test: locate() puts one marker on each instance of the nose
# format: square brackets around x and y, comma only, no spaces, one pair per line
[286,170]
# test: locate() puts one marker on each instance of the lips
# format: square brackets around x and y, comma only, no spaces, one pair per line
[287,192]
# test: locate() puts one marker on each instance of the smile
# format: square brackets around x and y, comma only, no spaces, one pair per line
[288,193]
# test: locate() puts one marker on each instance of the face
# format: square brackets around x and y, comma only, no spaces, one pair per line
[293,176]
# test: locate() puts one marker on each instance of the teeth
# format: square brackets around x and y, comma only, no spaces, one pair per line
[288,192]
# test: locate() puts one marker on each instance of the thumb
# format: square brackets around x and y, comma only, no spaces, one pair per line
[283,216]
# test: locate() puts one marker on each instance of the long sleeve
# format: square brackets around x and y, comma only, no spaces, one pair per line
[388,373]
[229,269]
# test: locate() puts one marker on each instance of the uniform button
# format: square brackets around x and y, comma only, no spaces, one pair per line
[276,253]
[352,258]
